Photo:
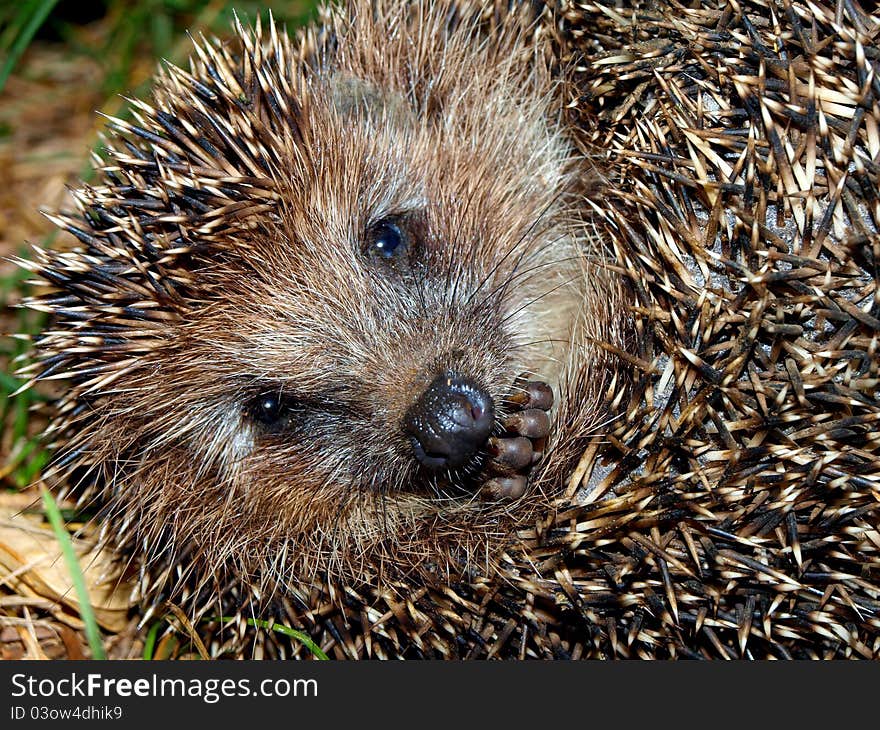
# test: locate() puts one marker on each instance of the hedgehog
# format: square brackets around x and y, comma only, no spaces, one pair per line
[489,329]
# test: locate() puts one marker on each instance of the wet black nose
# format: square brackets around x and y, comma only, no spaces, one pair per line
[449,422]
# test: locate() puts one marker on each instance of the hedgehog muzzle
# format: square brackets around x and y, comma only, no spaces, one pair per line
[449,422]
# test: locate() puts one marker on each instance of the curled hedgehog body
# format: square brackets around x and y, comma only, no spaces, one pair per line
[325,287]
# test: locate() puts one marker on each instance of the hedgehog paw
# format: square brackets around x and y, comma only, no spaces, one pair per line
[514,454]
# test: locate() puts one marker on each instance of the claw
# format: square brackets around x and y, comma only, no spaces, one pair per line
[534,395]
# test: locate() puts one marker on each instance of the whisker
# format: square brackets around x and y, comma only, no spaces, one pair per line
[513,249]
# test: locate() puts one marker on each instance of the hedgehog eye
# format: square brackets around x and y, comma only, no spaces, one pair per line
[266,409]
[386,240]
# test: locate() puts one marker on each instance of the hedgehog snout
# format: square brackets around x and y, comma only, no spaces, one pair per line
[449,422]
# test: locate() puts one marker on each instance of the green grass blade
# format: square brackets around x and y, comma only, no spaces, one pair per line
[33,16]
[300,636]
[79,582]
[150,641]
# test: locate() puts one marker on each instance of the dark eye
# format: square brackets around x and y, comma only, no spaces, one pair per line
[266,409]
[386,240]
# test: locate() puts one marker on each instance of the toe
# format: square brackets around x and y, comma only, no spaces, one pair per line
[532,423]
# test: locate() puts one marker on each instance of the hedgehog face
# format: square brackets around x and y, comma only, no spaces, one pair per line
[379,272]
[288,265]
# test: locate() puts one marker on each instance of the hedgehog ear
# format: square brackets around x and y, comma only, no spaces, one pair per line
[354,97]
